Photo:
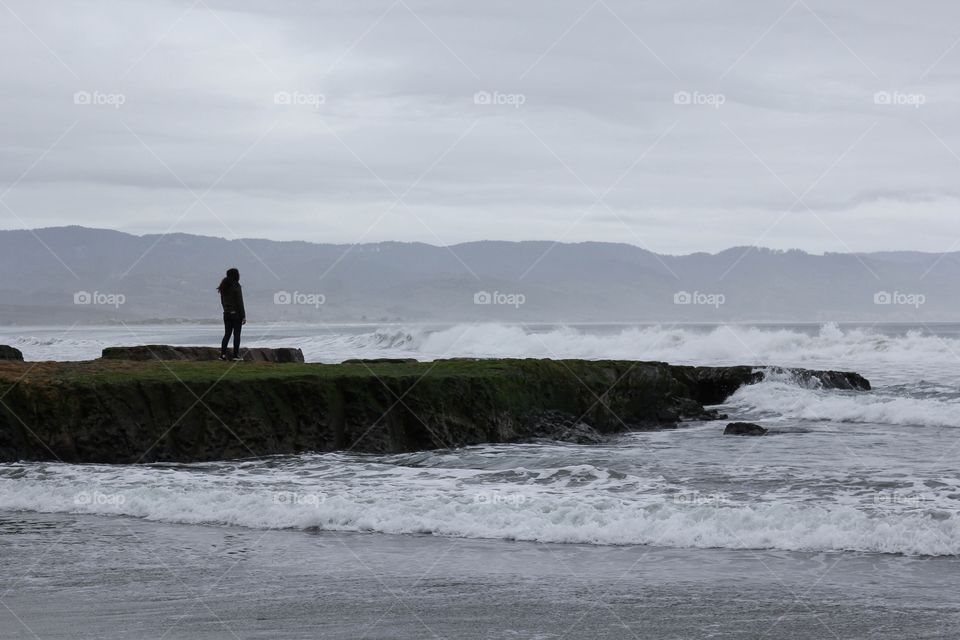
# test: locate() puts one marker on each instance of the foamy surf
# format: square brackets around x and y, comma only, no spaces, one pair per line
[777,398]
[872,351]
[571,504]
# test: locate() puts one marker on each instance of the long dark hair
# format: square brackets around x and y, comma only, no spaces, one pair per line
[233,277]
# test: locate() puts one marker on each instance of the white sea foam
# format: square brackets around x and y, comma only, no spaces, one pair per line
[883,356]
[575,504]
[57,346]
[785,399]
[869,351]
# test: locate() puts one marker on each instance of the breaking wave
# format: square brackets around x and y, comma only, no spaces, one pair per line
[573,504]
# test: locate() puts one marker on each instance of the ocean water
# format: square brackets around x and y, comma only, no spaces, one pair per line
[862,475]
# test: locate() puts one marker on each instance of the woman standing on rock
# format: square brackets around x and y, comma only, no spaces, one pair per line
[234,315]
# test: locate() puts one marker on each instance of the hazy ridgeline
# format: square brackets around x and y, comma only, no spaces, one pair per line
[74,274]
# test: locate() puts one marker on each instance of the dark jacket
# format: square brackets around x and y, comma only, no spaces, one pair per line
[232,301]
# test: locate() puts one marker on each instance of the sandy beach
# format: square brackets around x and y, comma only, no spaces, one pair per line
[94,577]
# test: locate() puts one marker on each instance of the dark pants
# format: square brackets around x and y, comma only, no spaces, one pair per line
[231,326]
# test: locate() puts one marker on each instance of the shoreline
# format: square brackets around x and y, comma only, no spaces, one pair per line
[205,582]
[7,515]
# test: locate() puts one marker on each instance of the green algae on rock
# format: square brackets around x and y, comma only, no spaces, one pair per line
[126,412]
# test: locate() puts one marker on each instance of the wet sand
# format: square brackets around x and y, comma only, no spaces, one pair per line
[69,576]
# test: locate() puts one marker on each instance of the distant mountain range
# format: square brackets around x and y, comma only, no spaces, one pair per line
[73,274]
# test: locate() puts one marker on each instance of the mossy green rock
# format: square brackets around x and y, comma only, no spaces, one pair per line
[127,412]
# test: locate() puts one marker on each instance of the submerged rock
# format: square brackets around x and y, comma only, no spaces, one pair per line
[744,429]
[167,352]
[10,353]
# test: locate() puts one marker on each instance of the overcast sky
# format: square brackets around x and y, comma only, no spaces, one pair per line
[676,126]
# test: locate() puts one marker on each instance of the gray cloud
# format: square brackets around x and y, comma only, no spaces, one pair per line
[850,106]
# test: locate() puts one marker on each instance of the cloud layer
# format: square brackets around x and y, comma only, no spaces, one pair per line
[677,127]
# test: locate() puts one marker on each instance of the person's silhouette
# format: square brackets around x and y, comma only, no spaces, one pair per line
[234,315]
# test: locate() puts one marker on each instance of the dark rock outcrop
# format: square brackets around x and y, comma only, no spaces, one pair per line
[380,361]
[10,353]
[167,352]
[713,385]
[744,429]
[119,411]
[826,379]
[557,425]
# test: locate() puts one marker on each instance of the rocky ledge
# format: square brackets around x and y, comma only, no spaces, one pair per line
[123,411]
[198,354]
